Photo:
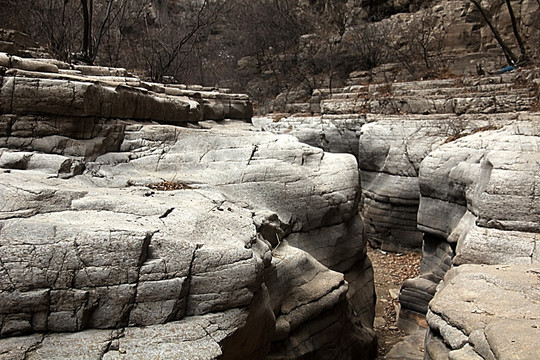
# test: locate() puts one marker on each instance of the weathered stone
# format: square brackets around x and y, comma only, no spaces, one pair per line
[197,338]
[4,60]
[100,70]
[116,97]
[410,348]
[390,154]
[338,134]
[475,169]
[476,201]
[32,65]
[465,353]
[109,253]
[513,338]
[497,300]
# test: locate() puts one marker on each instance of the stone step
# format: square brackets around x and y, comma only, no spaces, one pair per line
[518,101]
[507,78]
[513,91]
[402,89]
[491,89]
[56,94]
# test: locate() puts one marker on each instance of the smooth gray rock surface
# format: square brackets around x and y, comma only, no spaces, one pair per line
[332,133]
[389,157]
[487,311]
[36,87]
[100,250]
[126,236]
[484,187]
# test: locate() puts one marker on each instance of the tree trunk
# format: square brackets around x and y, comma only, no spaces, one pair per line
[87,29]
[522,49]
[508,53]
[90,42]
[102,30]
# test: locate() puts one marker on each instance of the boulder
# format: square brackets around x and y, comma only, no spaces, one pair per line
[486,312]
[332,133]
[479,205]
[180,243]
[32,65]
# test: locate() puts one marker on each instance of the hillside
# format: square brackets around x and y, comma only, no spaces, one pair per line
[272,47]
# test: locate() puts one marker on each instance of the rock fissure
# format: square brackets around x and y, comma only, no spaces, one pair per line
[34,347]
[189,277]
[166,213]
[252,155]
[6,271]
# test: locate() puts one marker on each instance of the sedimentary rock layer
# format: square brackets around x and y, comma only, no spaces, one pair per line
[486,312]
[130,239]
[480,202]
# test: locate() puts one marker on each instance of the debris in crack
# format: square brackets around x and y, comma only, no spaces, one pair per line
[390,270]
[168,186]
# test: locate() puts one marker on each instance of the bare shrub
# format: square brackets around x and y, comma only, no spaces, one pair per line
[420,46]
[371,44]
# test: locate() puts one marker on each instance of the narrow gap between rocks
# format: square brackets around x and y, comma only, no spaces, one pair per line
[390,270]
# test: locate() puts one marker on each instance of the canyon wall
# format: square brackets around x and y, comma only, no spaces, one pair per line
[138,220]
[448,166]
[480,198]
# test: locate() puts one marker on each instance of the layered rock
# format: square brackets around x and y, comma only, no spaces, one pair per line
[132,239]
[480,199]
[397,125]
[390,154]
[448,165]
[486,312]
[39,87]
[332,133]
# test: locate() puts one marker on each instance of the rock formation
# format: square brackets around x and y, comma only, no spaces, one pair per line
[451,168]
[133,225]
[398,126]
[483,190]
[137,220]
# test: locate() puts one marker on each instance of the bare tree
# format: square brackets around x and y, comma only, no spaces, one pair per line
[511,57]
[87,11]
[98,19]
[420,44]
[54,23]
[524,57]
[168,46]
[371,44]
[508,53]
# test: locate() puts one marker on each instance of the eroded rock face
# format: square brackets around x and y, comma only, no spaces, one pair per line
[480,200]
[134,240]
[332,133]
[486,312]
[485,187]
[39,87]
[389,158]
[396,125]
[446,165]
[94,256]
